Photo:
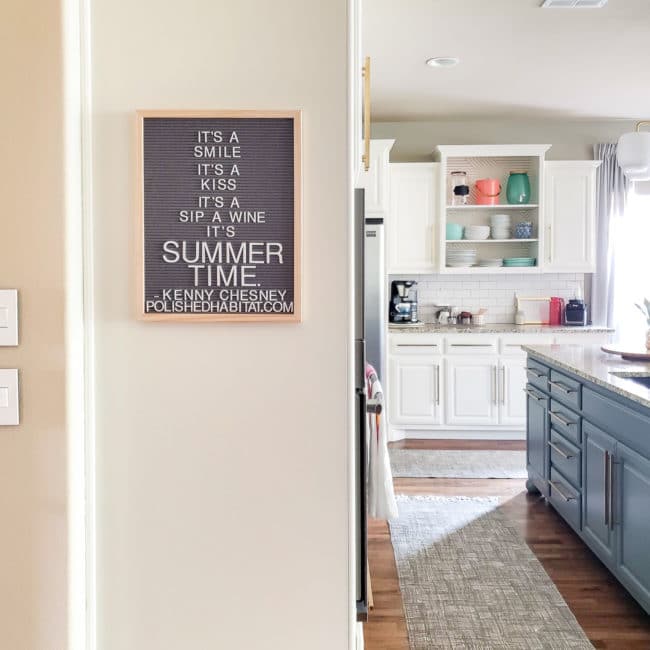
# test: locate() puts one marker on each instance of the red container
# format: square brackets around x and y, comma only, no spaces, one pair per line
[556,309]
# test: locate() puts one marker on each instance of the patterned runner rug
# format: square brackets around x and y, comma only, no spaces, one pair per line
[469,581]
[452,463]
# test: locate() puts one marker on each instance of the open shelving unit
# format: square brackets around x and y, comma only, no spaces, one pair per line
[492,161]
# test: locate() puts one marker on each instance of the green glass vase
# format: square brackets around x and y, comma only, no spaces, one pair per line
[518,189]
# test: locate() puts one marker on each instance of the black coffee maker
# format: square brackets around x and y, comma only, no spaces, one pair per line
[403,306]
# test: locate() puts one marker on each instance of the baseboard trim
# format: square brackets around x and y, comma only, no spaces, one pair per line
[456,435]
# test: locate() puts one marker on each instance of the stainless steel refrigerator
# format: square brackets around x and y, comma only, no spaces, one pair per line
[375,306]
[360,437]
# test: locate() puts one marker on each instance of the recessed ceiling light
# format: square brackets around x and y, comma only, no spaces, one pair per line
[573,4]
[443,61]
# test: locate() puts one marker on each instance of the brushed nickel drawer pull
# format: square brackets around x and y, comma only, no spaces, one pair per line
[532,372]
[565,389]
[561,420]
[472,345]
[531,394]
[561,492]
[560,450]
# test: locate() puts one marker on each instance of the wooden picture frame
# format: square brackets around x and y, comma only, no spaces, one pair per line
[149,175]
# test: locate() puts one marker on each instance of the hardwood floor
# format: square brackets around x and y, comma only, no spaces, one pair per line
[609,616]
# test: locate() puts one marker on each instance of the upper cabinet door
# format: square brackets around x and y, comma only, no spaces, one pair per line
[376,180]
[569,235]
[411,221]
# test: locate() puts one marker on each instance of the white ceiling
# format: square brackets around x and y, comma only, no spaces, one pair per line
[517,60]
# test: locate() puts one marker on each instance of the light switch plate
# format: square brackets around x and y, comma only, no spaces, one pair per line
[8,317]
[9,407]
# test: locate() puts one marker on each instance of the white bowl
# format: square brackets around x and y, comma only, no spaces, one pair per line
[477,232]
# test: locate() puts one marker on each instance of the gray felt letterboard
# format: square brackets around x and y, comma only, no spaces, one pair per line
[220,215]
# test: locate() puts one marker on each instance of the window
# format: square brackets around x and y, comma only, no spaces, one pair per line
[632,276]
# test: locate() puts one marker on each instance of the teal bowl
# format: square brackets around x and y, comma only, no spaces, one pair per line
[454,231]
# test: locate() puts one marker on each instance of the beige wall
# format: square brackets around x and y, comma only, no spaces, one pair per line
[33,502]
[222,450]
[570,139]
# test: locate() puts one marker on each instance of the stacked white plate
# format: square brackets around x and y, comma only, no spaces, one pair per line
[494,261]
[500,226]
[476,232]
[461,257]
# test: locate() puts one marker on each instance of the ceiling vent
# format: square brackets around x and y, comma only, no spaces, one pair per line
[573,4]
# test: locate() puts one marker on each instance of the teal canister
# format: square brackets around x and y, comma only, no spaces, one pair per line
[518,188]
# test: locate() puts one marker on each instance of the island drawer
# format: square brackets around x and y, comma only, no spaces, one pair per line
[564,420]
[537,374]
[566,458]
[565,389]
[565,499]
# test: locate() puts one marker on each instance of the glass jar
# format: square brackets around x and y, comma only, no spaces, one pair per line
[459,188]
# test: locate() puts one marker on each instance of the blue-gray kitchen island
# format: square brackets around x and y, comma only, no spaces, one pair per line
[588,452]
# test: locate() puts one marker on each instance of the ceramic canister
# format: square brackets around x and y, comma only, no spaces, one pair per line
[487,191]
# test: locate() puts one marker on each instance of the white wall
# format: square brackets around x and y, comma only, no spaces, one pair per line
[222,450]
[570,139]
[34,455]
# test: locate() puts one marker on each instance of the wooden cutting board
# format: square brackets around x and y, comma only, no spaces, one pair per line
[627,352]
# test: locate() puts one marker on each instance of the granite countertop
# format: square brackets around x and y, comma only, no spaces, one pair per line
[592,364]
[494,328]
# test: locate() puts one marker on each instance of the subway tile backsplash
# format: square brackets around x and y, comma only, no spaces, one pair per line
[496,293]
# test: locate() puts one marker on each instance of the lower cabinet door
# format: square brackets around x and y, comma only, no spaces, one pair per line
[471,387]
[512,399]
[597,497]
[537,437]
[632,518]
[415,390]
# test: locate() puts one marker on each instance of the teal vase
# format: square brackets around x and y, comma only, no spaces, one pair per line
[518,189]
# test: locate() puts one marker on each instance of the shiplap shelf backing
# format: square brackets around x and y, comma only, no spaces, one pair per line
[219,215]
[492,161]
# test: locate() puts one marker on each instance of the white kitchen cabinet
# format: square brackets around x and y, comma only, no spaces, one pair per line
[411,222]
[570,216]
[512,399]
[377,179]
[471,389]
[415,388]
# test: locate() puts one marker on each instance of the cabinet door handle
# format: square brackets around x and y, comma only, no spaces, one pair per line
[550,243]
[565,389]
[417,345]
[539,375]
[472,345]
[560,419]
[606,488]
[611,491]
[561,492]
[560,450]
[531,394]
[503,385]
[494,384]
[438,385]
[365,72]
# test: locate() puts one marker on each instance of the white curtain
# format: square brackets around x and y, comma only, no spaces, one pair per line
[612,189]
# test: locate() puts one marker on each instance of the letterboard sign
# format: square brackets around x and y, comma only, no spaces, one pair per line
[219,215]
